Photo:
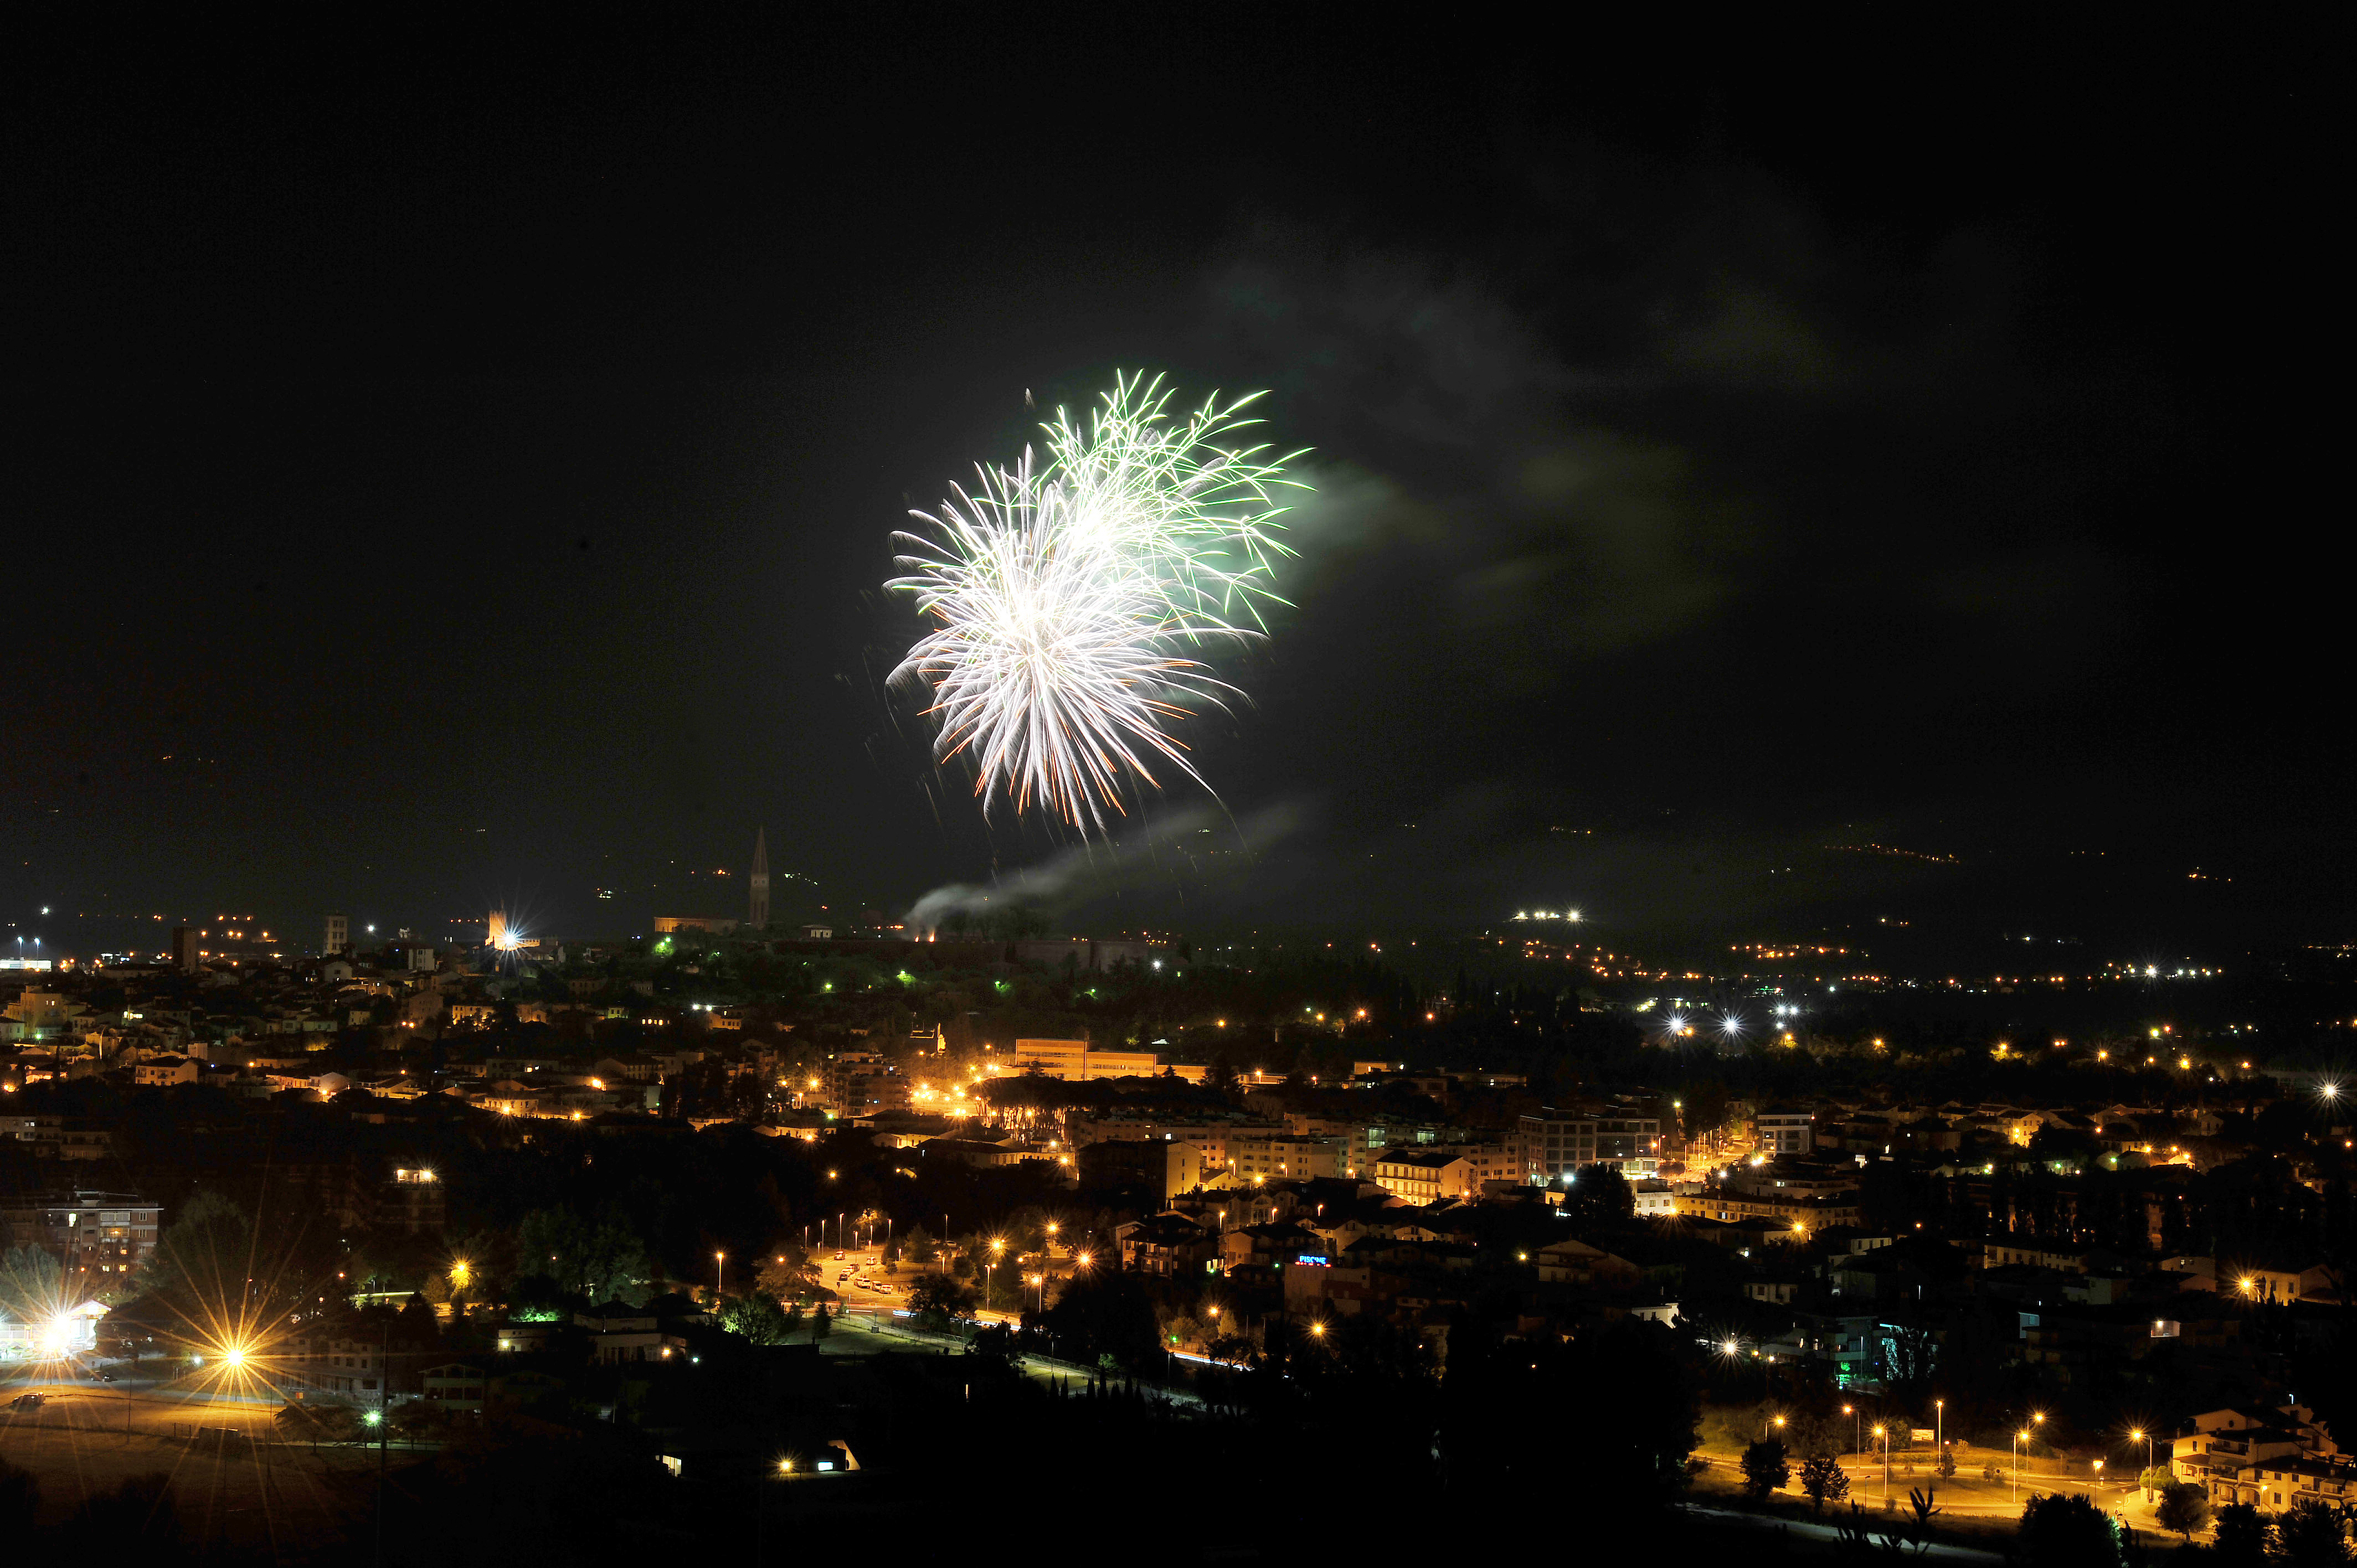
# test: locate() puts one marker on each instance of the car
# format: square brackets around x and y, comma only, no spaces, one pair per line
[104,1377]
[838,1257]
[28,1401]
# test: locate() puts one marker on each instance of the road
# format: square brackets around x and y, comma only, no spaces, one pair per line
[856,1275]
[1968,1494]
[1933,1551]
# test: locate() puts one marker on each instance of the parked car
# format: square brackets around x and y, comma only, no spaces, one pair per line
[28,1401]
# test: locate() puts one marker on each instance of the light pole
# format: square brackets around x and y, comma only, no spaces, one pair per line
[1884,1432]
[717,1286]
[1857,1443]
[1938,1434]
[2014,1492]
[2147,1438]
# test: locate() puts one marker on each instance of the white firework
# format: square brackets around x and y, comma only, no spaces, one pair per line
[1063,594]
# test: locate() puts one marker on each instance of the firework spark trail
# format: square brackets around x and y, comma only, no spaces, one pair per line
[1062,594]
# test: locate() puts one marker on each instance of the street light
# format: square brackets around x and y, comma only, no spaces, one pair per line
[1884,1432]
[716,1258]
[1857,1443]
[2019,1439]
[1938,1434]
[2145,1437]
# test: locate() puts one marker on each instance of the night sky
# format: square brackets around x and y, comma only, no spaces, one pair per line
[448,470]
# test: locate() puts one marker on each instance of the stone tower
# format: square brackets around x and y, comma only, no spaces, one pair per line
[757,915]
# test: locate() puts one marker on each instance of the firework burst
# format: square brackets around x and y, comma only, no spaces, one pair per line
[1068,598]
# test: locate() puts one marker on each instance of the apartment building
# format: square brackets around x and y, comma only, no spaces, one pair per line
[1784,1130]
[1257,1157]
[1552,1144]
[100,1238]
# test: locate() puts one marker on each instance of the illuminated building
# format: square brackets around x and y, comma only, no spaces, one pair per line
[1076,1060]
[100,1238]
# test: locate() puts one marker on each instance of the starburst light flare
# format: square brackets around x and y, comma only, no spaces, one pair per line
[1063,594]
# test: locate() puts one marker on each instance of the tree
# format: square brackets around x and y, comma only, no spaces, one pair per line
[1105,1313]
[2244,1539]
[1598,1195]
[32,1284]
[1823,1479]
[201,1256]
[2184,1508]
[2066,1532]
[1765,1470]
[940,1302]
[756,1315]
[602,1261]
[2154,1480]
[822,1323]
[2309,1535]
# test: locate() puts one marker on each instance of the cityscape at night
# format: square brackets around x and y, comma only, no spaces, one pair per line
[1174,787]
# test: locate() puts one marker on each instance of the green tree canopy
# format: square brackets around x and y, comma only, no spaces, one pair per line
[601,1261]
[2066,1532]
[32,1284]
[1823,1479]
[2244,1538]
[2184,1508]
[1765,1468]
[758,1316]
[2309,1535]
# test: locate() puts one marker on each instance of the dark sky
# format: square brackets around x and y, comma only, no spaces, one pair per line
[450,469]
